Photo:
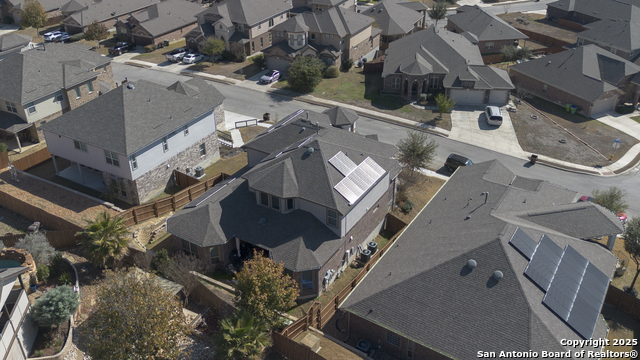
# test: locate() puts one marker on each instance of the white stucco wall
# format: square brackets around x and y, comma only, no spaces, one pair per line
[369,199]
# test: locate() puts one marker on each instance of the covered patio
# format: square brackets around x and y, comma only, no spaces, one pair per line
[16,133]
[78,173]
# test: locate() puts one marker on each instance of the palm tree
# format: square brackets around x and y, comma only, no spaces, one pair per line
[105,239]
[241,337]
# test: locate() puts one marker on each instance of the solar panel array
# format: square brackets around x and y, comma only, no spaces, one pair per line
[358,181]
[575,289]
[342,163]
[544,262]
[521,241]
[577,292]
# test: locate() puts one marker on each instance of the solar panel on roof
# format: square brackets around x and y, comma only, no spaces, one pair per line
[544,262]
[358,181]
[342,163]
[523,243]
[348,190]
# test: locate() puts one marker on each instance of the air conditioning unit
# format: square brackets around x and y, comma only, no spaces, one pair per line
[199,171]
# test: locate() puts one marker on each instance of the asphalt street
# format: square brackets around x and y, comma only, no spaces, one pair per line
[254,103]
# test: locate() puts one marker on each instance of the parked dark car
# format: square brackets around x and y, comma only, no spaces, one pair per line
[454,161]
[121,48]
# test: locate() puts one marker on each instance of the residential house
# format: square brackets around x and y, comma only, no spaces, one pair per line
[298,204]
[128,142]
[14,8]
[243,24]
[318,6]
[168,20]
[397,19]
[609,24]
[39,85]
[18,331]
[12,43]
[333,35]
[589,77]
[106,12]
[474,272]
[489,31]
[435,61]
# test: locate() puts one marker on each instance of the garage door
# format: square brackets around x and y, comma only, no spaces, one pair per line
[470,97]
[278,64]
[601,106]
[498,97]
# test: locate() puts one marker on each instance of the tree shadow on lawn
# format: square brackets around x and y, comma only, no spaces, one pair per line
[373,85]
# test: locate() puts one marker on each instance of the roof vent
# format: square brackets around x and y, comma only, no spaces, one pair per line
[130,86]
[471,264]
[310,150]
[498,275]
[262,220]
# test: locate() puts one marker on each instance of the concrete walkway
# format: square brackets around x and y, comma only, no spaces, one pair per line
[462,128]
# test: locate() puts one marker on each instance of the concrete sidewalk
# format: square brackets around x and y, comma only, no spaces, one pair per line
[630,127]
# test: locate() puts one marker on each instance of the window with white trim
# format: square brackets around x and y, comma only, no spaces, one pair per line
[165,144]
[121,187]
[281,16]
[264,199]
[270,22]
[186,130]
[203,150]
[433,82]
[410,349]
[77,90]
[395,83]
[189,249]
[488,45]
[259,26]
[134,162]
[290,204]
[318,8]
[270,38]
[393,339]
[332,218]
[59,96]
[613,50]
[90,87]
[215,255]
[112,158]
[261,43]
[328,36]
[240,27]
[544,88]
[313,36]
[275,202]
[580,41]
[299,39]
[307,280]
[80,145]
[11,107]
[31,108]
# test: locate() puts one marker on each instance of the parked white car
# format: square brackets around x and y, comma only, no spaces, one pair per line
[53,35]
[192,58]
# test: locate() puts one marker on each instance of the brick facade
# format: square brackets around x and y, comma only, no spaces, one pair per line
[358,51]
[405,87]
[85,95]
[224,253]
[482,45]
[219,114]
[256,42]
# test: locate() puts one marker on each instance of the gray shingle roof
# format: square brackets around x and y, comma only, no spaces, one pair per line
[586,71]
[72,6]
[248,12]
[485,26]
[602,9]
[30,75]
[11,41]
[106,9]
[168,15]
[457,311]
[12,122]
[297,239]
[48,5]
[340,116]
[393,18]
[289,170]
[620,33]
[125,120]
[337,21]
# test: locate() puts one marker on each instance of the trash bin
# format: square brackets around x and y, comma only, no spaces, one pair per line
[166,43]
[266,117]
[533,159]
[33,288]
[568,107]
[573,109]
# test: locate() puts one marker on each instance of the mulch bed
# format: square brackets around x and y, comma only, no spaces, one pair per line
[54,279]
[50,342]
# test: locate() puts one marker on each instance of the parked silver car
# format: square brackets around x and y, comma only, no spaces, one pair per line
[192,58]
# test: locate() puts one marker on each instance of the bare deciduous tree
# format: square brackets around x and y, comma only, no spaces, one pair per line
[179,269]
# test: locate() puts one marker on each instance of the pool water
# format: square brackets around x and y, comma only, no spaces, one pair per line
[6,264]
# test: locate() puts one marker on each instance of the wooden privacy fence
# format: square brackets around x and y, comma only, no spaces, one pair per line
[375,65]
[293,350]
[4,160]
[159,207]
[57,239]
[318,317]
[623,301]
[543,39]
[32,159]
[492,59]
[183,180]
[29,211]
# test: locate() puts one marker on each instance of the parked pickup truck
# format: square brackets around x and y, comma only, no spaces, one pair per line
[176,55]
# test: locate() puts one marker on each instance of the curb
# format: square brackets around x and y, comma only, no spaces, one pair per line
[193,74]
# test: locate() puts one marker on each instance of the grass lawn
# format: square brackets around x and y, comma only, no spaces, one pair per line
[250,132]
[38,35]
[636,118]
[235,164]
[338,284]
[418,189]
[360,89]
[231,69]
[158,56]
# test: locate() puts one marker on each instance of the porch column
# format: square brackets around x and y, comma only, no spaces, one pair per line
[55,164]
[18,140]
[80,172]
[611,241]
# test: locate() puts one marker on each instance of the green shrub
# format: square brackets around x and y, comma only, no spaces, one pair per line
[149,48]
[3,147]
[624,109]
[65,279]
[347,65]
[76,37]
[228,56]
[55,263]
[38,246]
[55,307]
[332,72]
[260,61]
[43,272]
[407,207]
[38,353]
[8,20]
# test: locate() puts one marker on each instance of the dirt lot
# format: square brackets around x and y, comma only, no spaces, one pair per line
[538,23]
[541,136]
[249,132]
[232,69]
[12,223]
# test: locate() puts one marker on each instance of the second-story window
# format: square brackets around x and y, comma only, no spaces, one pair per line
[77,90]
[165,144]
[59,96]
[31,108]
[290,204]
[313,36]
[299,39]
[240,27]
[90,87]
[186,130]
[292,39]
[80,145]
[264,199]
[11,107]
[261,43]
[134,162]
[275,202]
[112,158]
[332,218]
[270,22]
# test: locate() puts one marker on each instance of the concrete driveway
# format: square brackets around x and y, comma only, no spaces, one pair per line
[469,125]
[254,81]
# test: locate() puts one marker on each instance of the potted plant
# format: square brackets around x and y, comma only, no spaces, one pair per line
[621,268]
